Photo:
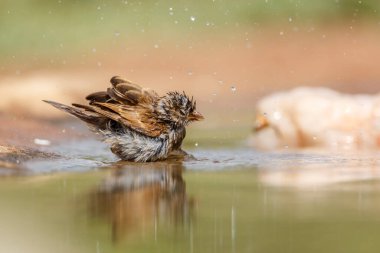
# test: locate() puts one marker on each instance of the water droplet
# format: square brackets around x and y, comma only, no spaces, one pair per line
[170,8]
[192,18]
[190,73]
[290,19]
[117,34]
[41,142]
[196,144]
[233,89]
[281,33]
[156,46]
[99,64]
[99,7]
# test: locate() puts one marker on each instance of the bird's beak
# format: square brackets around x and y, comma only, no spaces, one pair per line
[261,122]
[195,116]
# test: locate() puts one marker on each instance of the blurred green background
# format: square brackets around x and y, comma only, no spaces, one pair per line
[31,27]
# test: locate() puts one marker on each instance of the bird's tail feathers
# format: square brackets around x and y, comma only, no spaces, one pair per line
[88,117]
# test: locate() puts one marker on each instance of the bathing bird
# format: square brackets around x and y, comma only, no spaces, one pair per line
[317,117]
[137,123]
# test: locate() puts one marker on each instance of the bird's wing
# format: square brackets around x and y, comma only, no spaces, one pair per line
[128,104]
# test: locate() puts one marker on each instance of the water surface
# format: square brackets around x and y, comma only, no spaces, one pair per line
[227,200]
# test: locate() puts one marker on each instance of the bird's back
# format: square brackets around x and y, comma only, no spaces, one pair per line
[124,115]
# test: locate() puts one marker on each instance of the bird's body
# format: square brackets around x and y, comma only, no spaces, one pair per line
[131,145]
[138,124]
[316,117]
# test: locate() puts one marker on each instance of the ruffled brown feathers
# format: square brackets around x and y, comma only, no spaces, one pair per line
[125,102]
[130,110]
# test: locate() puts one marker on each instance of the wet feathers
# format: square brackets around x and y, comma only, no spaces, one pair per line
[138,124]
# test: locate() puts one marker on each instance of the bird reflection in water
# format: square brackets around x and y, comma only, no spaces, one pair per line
[322,170]
[137,197]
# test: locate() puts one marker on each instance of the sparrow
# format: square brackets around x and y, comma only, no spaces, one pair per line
[137,123]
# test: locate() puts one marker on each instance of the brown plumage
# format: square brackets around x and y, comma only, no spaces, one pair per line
[138,123]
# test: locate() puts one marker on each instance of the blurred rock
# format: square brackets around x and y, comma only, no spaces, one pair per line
[317,117]
[12,157]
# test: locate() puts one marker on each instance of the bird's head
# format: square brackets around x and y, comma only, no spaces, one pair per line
[177,109]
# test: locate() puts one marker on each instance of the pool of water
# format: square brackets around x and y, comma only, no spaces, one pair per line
[225,200]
